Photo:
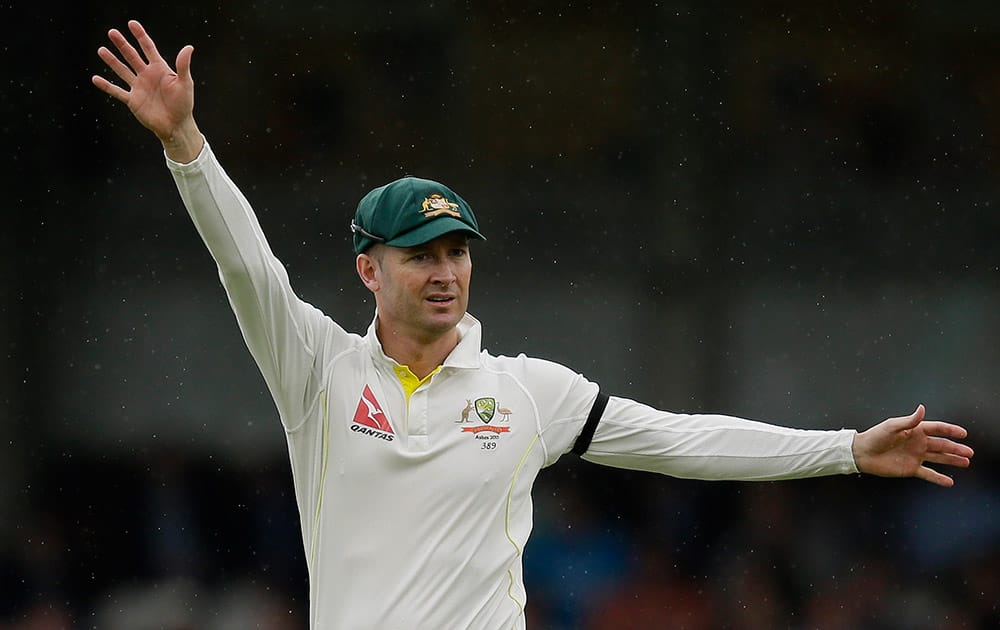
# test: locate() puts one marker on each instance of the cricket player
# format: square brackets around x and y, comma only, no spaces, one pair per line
[413,450]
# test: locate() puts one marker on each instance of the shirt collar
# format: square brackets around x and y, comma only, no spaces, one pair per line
[465,354]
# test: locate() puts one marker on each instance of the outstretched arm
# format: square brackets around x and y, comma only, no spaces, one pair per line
[899,447]
[160,98]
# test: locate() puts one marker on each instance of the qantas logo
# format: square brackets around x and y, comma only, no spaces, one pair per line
[370,419]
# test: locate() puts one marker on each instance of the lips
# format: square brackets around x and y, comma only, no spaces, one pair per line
[440,299]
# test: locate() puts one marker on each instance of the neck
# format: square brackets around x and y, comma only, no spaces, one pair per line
[422,355]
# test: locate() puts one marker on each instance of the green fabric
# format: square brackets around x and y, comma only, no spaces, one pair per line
[411,211]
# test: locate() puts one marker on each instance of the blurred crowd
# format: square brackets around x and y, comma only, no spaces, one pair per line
[179,543]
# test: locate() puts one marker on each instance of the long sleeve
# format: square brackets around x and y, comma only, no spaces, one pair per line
[715,447]
[282,332]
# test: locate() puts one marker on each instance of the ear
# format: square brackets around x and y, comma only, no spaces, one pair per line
[368,271]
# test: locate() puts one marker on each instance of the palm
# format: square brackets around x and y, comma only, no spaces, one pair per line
[901,450]
[159,98]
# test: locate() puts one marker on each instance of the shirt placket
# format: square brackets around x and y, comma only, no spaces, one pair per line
[417,418]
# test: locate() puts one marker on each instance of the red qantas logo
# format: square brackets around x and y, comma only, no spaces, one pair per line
[369,414]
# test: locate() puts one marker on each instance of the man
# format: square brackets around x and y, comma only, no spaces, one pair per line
[413,451]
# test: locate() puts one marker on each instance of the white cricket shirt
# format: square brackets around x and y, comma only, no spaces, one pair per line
[415,514]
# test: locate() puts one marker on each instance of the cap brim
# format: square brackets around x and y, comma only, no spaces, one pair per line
[433,229]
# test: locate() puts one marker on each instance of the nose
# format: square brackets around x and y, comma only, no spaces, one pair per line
[444,272]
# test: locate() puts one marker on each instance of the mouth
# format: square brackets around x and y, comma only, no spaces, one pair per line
[440,299]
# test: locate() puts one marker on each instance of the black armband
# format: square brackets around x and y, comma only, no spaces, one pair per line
[587,434]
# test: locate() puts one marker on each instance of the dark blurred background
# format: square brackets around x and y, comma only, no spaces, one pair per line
[782,212]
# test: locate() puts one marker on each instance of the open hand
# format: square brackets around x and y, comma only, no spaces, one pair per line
[899,447]
[160,98]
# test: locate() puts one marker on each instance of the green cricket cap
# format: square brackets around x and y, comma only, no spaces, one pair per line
[411,211]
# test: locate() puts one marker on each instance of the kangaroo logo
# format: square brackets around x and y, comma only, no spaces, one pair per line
[465,412]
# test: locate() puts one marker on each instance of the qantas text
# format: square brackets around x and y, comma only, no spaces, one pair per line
[357,428]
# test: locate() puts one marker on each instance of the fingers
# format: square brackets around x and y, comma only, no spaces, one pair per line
[933,476]
[145,41]
[109,88]
[128,53]
[944,429]
[134,64]
[914,418]
[905,423]
[943,445]
[947,453]
[124,72]
[947,459]
[184,62]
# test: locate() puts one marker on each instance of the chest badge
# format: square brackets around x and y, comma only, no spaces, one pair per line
[486,410]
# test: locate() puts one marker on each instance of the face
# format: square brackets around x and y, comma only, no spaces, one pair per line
[421,292]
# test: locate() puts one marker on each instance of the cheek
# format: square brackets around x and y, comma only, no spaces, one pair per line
[401,287]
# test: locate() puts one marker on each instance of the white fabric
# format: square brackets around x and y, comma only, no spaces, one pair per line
[421,523]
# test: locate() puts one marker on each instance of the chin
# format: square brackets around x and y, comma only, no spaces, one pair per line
[444,323]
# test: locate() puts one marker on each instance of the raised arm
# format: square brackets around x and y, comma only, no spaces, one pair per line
[899,447]
[284,333]
[160,98]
